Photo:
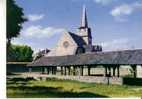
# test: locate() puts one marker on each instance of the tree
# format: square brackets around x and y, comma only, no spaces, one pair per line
[15,18]
[20,53]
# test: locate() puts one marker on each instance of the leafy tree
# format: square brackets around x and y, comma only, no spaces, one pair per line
[15,18]
[20,53]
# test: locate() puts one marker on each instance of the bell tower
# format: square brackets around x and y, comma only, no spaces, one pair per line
[84,30]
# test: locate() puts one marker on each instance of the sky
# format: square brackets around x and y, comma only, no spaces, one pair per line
[115,24]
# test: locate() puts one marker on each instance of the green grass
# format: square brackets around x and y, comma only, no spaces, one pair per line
[22,88]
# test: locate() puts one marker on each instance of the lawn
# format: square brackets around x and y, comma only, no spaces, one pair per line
[30,88]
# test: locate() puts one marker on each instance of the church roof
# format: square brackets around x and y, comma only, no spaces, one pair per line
[125,57]
[78,40]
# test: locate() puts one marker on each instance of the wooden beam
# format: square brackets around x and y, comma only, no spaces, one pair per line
[42,70]
[105,70]
[81,70]
[74,70]
[52,70]
[109,70]
[134,70]
[55,70]
[114,68]
[24,63]
[61,70]
[69,70]
[48,70]
[65,70]
[89,68]
[118,71]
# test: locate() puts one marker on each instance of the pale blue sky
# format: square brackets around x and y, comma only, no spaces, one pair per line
[115,24]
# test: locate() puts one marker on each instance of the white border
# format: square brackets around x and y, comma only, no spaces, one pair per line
[3,55]
[2,49]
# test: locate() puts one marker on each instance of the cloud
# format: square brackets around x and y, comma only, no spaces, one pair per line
[35,17]
[124,9]
[121,12]
[41,32]
[116,44]
[104,2]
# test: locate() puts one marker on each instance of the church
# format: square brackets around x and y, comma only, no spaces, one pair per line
[76,55]
[76,43]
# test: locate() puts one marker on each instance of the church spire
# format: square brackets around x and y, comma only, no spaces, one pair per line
[84,30]
[84,22]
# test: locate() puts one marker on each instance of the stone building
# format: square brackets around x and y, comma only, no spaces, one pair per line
[76,43]
[75,52]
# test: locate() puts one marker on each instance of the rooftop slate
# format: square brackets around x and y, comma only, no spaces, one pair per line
[125,57]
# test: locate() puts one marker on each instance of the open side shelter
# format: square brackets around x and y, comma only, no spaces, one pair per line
[75,64]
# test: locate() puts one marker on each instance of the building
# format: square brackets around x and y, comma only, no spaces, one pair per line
[76,43]
[75,53]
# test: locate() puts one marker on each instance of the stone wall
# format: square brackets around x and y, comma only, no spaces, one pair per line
[90,79]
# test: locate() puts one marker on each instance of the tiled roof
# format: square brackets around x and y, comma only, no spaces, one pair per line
[114,57]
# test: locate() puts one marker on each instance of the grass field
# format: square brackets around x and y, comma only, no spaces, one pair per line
[22,88]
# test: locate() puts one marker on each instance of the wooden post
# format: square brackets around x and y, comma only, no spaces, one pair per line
[81,70]
[105,71]
[52,70]
[134,70]
[89,70]
[74,70]
[65,70]
[42,70]
[114,68]
[118,72]
[109,70]
[68,70]
[61,70]
[48,70]
[55,70]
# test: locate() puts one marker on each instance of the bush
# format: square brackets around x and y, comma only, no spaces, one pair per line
[132,81]
[19,53]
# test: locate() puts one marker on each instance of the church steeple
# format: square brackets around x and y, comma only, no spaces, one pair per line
[84,30]
[84,22]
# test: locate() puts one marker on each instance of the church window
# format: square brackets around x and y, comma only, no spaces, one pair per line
[66,44]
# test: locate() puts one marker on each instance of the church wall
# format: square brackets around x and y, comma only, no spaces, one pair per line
[84,34]
[68,49]
[86,40]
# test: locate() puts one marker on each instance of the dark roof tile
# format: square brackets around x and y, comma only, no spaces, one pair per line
[114,57]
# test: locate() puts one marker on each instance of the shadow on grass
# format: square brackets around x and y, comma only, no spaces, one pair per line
[12,74]
[132,81]
[22,79]
[36,91]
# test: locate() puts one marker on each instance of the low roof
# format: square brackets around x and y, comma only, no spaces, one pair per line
[114,57]
[20,63]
